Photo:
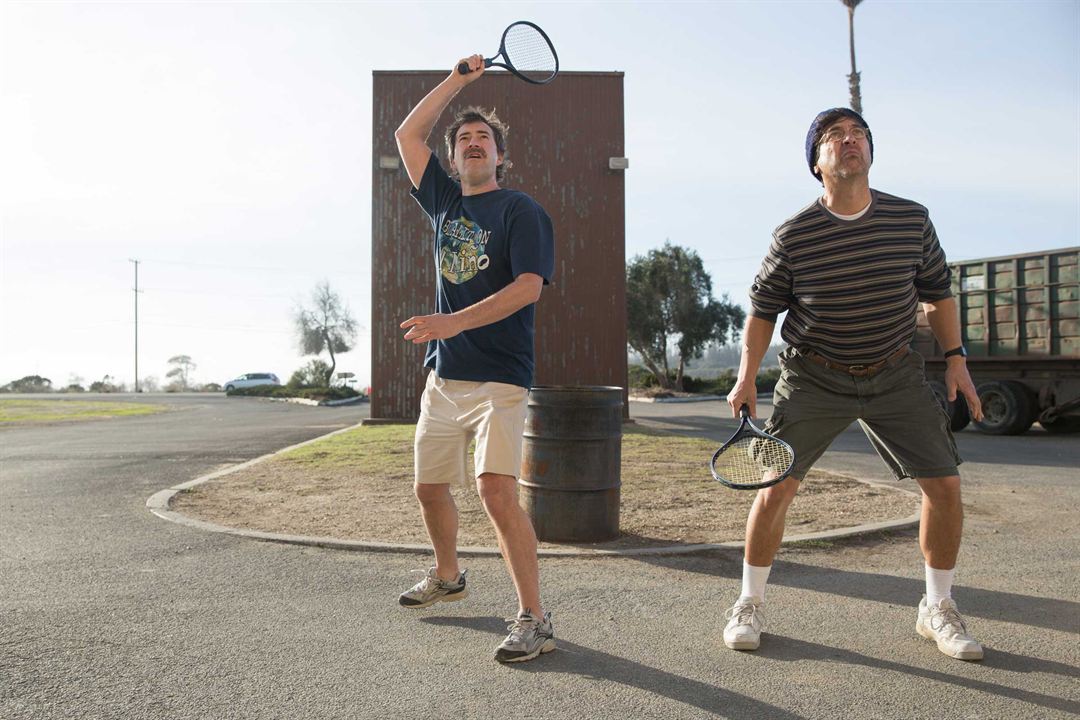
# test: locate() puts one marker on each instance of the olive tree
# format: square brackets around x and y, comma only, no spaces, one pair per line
[326,325]
[670,307]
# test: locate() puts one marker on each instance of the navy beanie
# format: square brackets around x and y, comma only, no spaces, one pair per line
[824,119]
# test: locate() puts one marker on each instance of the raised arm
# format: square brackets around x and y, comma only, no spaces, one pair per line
[412,135]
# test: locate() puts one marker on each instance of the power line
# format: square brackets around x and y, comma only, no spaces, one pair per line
[209,292]
[229,328]
[259,268]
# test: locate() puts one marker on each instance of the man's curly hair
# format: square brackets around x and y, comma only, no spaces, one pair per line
[499,130]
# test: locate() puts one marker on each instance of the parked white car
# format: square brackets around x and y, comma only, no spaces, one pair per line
[251,380]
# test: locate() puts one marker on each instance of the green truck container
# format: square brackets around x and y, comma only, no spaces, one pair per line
[1020,322]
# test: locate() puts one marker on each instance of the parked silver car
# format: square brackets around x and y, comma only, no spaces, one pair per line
[251,380]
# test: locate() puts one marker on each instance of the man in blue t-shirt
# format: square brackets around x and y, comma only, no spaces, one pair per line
[493,251]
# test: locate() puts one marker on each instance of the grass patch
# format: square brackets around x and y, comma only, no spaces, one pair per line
[382,450]
[288,391]
[34,412]
[650,458]
[358,485]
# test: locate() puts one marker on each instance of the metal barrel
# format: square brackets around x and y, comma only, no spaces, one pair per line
[571,462]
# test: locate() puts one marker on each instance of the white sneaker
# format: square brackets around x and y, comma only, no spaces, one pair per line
[529,636]
[433,589]
[943,624]
[745,621]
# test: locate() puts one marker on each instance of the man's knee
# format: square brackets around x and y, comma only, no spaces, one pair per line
[779,496]
[497,492]
[941,489]
[432,493]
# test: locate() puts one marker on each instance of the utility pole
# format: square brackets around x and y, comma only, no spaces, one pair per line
[853,78]
[136,262]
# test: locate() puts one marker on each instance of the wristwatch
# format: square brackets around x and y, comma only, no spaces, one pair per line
[956,351]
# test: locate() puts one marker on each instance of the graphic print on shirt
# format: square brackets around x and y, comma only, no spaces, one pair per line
[462,245]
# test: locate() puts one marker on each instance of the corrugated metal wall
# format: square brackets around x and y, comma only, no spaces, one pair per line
[561,136]
[1022,307]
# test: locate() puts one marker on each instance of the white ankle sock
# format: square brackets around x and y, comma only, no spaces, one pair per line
[938,585]
[754,579]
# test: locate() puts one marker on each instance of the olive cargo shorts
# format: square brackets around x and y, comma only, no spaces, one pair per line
[895,407]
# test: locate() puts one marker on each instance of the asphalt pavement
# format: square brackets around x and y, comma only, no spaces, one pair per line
[107,611]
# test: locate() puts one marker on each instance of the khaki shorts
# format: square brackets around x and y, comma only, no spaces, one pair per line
[895,407]
[455,412]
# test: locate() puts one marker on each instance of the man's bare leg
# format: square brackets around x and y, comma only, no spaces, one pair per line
[765,525]
[441,520]
[517,539]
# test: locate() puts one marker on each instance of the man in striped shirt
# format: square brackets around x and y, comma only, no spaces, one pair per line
[850,271]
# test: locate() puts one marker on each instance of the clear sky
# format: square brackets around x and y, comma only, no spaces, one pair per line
[227,146]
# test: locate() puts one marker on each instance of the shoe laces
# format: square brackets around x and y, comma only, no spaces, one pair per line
[520,625]
[430,579]
[948,618]
[745,613]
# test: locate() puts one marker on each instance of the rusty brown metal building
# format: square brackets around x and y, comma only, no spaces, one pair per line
[561,141]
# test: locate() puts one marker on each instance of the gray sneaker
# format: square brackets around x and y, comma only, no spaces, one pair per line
[745,621]
[943,624]
[433,589]
[529,636]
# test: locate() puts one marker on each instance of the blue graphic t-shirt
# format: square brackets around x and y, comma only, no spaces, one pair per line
[483,242]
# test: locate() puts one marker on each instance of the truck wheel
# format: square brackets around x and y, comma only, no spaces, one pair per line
[1009,407]
[1062,425]
[958,413]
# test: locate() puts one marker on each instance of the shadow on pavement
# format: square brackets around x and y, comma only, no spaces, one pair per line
[1057,451]
[1008,607]
[587,662]
[696,425]
[778,647]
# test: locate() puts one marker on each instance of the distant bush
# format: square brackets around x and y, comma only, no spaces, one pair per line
[210,387]
[28,384]
[106,385]
[640,378]
[315,374]
[284,391]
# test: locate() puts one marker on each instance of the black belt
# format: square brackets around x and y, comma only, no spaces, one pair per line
[856,370]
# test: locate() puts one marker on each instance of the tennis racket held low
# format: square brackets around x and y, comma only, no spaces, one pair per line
[752,459]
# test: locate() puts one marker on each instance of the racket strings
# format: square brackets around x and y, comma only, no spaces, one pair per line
[752,460]
[528,51]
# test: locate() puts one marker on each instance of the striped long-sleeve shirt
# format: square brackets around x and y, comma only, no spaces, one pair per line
[851,288]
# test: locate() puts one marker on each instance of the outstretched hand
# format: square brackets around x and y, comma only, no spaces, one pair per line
[424,328]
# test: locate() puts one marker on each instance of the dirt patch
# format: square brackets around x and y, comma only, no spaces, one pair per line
[358,486]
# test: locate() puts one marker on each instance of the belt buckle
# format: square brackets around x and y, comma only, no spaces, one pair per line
[858,370]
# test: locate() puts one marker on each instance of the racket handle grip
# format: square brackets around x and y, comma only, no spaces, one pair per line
[463,68]
[744,411]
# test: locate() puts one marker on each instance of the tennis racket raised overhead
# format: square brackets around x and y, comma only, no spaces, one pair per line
[527,52]
[751,459]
